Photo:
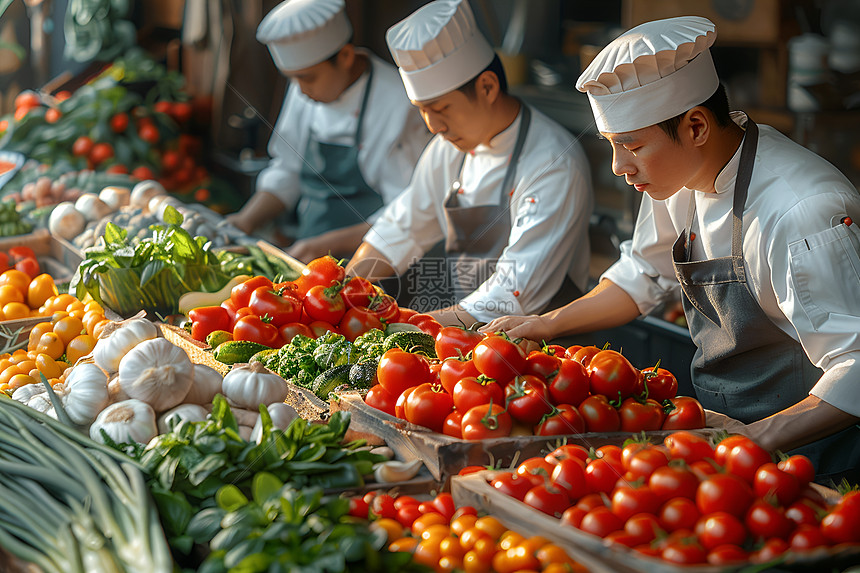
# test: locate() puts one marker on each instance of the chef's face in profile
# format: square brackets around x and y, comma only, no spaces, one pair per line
[322,82]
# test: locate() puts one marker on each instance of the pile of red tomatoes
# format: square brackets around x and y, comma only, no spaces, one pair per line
[323,299]
[486,386]
[686,501]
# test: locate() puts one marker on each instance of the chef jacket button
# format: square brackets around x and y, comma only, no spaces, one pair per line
[516,293]
[692,236]
[847,221]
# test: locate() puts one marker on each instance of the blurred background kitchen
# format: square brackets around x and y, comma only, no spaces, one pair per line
[793,64]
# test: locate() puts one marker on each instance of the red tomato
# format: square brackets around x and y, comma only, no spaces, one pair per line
[426,323]
[384,307]
[572,516]
[382,505]
[561,420]
[599,415]
[444,504]
[639,416]
[499,358]
[547,498]
[82,146]
[358,508]
[407,514]
[181,112]
[722,449]
[724,492]
[806,538]
[119,122]
[241,293]
[601,475]
[584,354]
[727,555]
[720,528]
[280,308]
[453,424]
[357,321]
[570,351]
[455,369]
[802,512]
[381,399]
[644,527]
[771,481]
[454,341]
[149,133]
[683,553]
[470,392]
[591,500]
[527,399]
[687,414]
[512,484]
[764,520]
[142,172]
[357,291]
[290,330]
[771,549]
[428,405]
[679,513]
[4,261]
[628,501]
[252,327]
[399,370]
[29,266]
[207,319]
[612,375]
[406,314]
[745,458]
[841,526]
[568,451]
[569,385]
[537,468]
[486,422]
[542,364]
[659,383]
[324,303]
[800,467]
[320,327]
[569,475]
[601,521]
[21,252]
[673,481]
[688,446]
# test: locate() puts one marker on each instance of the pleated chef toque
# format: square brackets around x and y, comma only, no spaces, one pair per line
[651,73]
[438,48]
[302,33]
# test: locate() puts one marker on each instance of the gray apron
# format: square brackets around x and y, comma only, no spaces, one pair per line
[334,193]
[744,365]
[476,237]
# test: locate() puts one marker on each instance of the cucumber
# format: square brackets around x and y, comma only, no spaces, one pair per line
[363,375]
[400,327]
[327,381]
[267,357]
[415,342]
[218,337]
[237,351]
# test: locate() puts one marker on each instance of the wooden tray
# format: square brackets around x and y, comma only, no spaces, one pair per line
[475,491]
[57,256]
[445,456]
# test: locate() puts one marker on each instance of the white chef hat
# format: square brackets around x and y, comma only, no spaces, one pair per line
[302,33]
[651,73]
[438,49]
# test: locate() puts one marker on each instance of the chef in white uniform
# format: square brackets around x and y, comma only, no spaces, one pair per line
[759,234]
[505,189]
[347,138]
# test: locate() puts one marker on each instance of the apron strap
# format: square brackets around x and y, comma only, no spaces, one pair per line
[360,124]
[739,199]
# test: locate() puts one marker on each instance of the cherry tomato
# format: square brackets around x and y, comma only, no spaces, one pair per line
[569,475]
[800,467]
[683,553]
[399,370]
[548,498]
[745,458]
[252,327]
[771,481]
[771,549]
[720,528]
[512,484]
[724,492]
[841,526]
[806,538]
[455,341]
[679,513]
[568,451]
[644,527]
[20,252]
[688,446]
[601,475]
[628,501]
[601,521]
[763,520]
[29,266]
[727,555]
[673,481]
[499,358]
[802,513]
[487,421]
[324,303]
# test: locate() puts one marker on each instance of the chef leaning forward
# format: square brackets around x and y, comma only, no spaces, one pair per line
[346,140]
[499,203]
[754,229]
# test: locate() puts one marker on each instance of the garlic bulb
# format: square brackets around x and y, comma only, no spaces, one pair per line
[66,221]
[115,391]
[85,393]
[24,393]
[109,351]
[245,417]
[394,470]
[207,383]
[91,207]
[253,384]
[282,416]
[115,197]
[144,191]
[157,372]
[40,402]
[190,412]
[124,422]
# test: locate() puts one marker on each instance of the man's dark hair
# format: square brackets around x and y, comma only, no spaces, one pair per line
[718,104]
[496,67]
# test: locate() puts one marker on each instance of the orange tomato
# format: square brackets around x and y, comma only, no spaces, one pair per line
[93,305]
[462,523]
[406,544]
[448,563]
[79,347]
[99,328]
[26,365]
[41,289]
[427,553]
[491,526]
[19,380]
[91,319]
[472,563]
[8,372]
[68,328]
[17,279]
[51,344]
[10,293]
[15,310]
[52,115]
[450,547]
[437,532]
[422,522]
[48,366]
[37,332]
[510,539]
[59,302]
[552,553]
[392,528]
[470,537]
[572,567]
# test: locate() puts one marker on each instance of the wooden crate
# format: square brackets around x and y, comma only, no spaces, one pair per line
[57,257]
[444,455]
[475,491]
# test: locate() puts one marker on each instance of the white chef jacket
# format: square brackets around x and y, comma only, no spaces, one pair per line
[550,209]
[393,134]
[803,264]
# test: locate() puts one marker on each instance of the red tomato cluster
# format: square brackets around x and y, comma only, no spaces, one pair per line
[443,537]
[487,387]
[719,505]
[21,258]
[323,299]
